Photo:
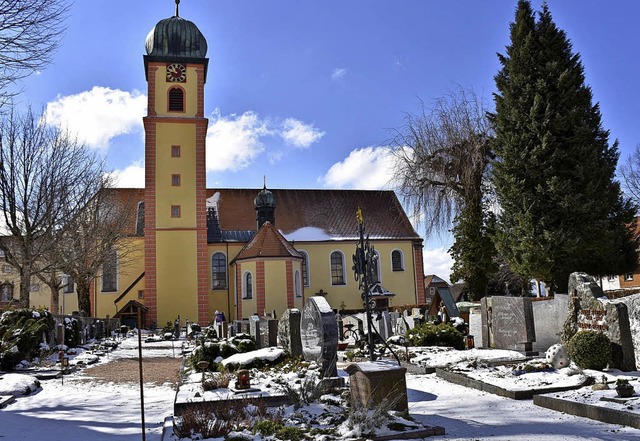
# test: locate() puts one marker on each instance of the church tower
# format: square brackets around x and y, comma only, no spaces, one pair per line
[176,269]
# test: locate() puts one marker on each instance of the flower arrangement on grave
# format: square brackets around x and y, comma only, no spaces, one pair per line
[529,368]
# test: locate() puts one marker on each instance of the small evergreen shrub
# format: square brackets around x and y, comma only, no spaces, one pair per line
[208,351]
[429,334]
[71,332]
[21,332]
[590,350]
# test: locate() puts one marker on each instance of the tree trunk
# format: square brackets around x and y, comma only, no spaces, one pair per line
[25,287]
[55,299]
[84,299]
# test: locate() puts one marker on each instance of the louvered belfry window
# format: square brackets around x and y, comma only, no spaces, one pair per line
[176,100]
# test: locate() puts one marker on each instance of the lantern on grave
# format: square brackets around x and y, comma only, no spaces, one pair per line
[243,381]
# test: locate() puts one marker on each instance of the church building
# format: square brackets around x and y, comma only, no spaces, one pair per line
[239,251]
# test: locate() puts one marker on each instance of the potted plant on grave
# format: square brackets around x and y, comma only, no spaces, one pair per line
[623,388]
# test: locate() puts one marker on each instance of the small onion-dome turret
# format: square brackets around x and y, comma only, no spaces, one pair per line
[176,37]
[264,199]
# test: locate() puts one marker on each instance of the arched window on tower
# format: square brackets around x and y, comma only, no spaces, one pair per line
[140,219]
[176,100]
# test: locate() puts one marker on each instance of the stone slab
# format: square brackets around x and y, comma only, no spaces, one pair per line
[604,414]
[463,380]
[6,399]
[412,434]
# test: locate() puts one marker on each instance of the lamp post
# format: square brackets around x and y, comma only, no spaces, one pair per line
[363,267]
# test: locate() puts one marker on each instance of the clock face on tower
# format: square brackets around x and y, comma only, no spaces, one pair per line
[176,73]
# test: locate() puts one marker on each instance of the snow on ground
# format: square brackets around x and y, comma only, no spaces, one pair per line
[90,411]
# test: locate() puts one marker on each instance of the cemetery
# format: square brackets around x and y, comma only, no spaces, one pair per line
[289,371]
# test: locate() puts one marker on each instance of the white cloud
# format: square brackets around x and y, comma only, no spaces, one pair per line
[369,168]
[233,142]
[299,134]
[130,177]
[437,261]
[98,115]
[338,73]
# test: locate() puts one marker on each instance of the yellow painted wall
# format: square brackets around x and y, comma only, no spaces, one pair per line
[162,88]
[249,306]
[402,283]
[176,276]
[275,286]
[169,134]
[130,266]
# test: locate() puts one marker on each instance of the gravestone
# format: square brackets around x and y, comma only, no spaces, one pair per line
[507,323]
[588,308]
[289,332]
[384,326]
[374,382]
[319,334]
[549,314]
[255,331]
[449,303]
[633,310]
[409,320]
[475,327]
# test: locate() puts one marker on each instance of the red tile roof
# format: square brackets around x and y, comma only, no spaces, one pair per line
[331,211]
[268,242]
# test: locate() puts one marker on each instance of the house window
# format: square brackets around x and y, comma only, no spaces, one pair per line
[68,285]
[305,268]
[175,211]
[176,100]
[218,271]
[110,272]
[612,278]
[337,268]
[628,277]
[35,287]
[296,281]
[140,219]
[175,151]
[247,286]
[175,180]
[6,292]
[432,291]
[7,269]
[397,263]
[140,294]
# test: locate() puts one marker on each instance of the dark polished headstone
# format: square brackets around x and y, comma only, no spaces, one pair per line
[319,334]
[508,323]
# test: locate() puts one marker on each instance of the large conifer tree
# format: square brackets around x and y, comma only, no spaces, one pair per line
[554,175]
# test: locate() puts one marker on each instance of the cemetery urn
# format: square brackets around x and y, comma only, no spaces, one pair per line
[243,379]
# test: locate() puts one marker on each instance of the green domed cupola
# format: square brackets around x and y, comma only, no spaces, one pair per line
[176,39]
[265,205]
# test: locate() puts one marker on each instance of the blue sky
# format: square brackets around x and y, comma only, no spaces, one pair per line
[308,92]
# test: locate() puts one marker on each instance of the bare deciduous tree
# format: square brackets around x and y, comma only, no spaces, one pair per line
[630,172]
[46,179]
[92,237]
[30,32]
[443,155]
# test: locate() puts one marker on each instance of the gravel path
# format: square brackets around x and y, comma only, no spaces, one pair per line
[157,370]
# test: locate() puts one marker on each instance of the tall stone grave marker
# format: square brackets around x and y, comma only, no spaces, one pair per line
[589,308]
[507,323]
[289,332]
[319,334]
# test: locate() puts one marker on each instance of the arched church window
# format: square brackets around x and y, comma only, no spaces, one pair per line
[305,268]
[218,271]
[110,272]
[6,292]
[337,268]
[397,261]
[140,219]
[247,286]
[176,100]
[296,281]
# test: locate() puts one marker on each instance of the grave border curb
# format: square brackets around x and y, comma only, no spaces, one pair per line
[603,414]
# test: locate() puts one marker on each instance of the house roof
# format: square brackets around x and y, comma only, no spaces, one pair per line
[268,242]
[301,215]
[434,280]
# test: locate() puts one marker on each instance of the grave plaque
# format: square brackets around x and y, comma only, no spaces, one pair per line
[319,334]
[508,322]
[289,332]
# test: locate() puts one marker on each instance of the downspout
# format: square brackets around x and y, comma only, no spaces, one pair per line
[228,284]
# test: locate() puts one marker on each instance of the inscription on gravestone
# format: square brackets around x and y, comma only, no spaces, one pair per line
[508,323]
[319,334]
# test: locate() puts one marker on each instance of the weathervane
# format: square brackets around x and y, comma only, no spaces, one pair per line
[364,261]
[177,4]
